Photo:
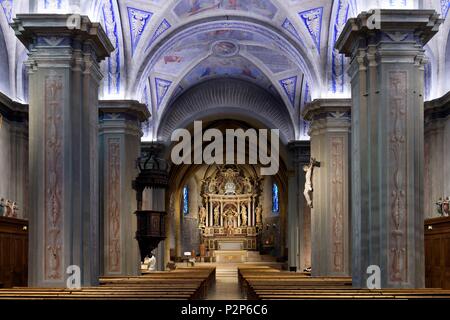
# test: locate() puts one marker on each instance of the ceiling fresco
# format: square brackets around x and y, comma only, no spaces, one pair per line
[165,47]
[188,8]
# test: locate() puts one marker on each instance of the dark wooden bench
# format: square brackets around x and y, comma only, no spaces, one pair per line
[266,284]
[192,283]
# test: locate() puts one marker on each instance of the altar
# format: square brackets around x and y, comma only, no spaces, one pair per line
[231,215]
[230,256]
[230,244]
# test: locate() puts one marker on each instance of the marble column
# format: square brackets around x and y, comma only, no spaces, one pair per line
[299,214]
[387,77]
[120,146]
[64,76]
[330,216]
[437,153]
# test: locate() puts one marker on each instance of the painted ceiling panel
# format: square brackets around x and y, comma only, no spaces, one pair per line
[275,61]
[224,52]
[188,8]
[219,66]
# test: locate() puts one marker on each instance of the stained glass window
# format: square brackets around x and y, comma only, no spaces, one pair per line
[185,200]
[275,199]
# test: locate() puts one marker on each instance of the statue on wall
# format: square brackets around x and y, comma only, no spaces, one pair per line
[258,213]
[309,170]
[230,214]
[216,216]
[443,207]
[202,216]
[212,185]
[248,185]
[8,209]
[14,209]
[244,216]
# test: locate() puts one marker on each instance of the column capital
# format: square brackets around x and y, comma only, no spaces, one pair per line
[328,113]
[417,26]
[130,109]
[50,30]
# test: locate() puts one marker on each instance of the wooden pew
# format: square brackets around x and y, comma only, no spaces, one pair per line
[266,284]
[183,284]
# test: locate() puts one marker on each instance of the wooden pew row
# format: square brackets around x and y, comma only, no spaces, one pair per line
[267,284]
[203,277]
[350,294]
[173,285]
[271,278]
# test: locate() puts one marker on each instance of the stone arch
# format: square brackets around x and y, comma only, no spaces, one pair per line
[241,99]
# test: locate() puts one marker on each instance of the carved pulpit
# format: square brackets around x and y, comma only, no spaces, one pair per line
[150,224]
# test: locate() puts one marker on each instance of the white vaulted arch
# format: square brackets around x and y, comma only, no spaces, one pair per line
[224,98]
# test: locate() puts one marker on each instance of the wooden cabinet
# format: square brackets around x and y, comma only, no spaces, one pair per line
[437,253]
[13,252]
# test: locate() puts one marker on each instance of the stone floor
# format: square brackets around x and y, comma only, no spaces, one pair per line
[227,287]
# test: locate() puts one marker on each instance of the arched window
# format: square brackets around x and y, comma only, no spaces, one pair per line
[275,199]
[185,200]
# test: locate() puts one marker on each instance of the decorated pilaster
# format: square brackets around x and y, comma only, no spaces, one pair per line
[120,147]
[387,71]
[63,128]
[329,175]
[299,214]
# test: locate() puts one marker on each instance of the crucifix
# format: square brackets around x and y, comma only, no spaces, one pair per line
[309,172]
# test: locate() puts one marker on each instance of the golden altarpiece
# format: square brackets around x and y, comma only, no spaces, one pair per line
[231,213]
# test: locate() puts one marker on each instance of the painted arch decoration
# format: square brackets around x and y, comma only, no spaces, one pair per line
[312,20]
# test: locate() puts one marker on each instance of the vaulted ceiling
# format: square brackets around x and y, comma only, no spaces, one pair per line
[166,47]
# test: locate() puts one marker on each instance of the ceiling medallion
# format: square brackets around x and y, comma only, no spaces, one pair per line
[225,49]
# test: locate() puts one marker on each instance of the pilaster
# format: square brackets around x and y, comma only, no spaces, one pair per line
[64,76]
[387,72]
[330,215]
[120,145]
